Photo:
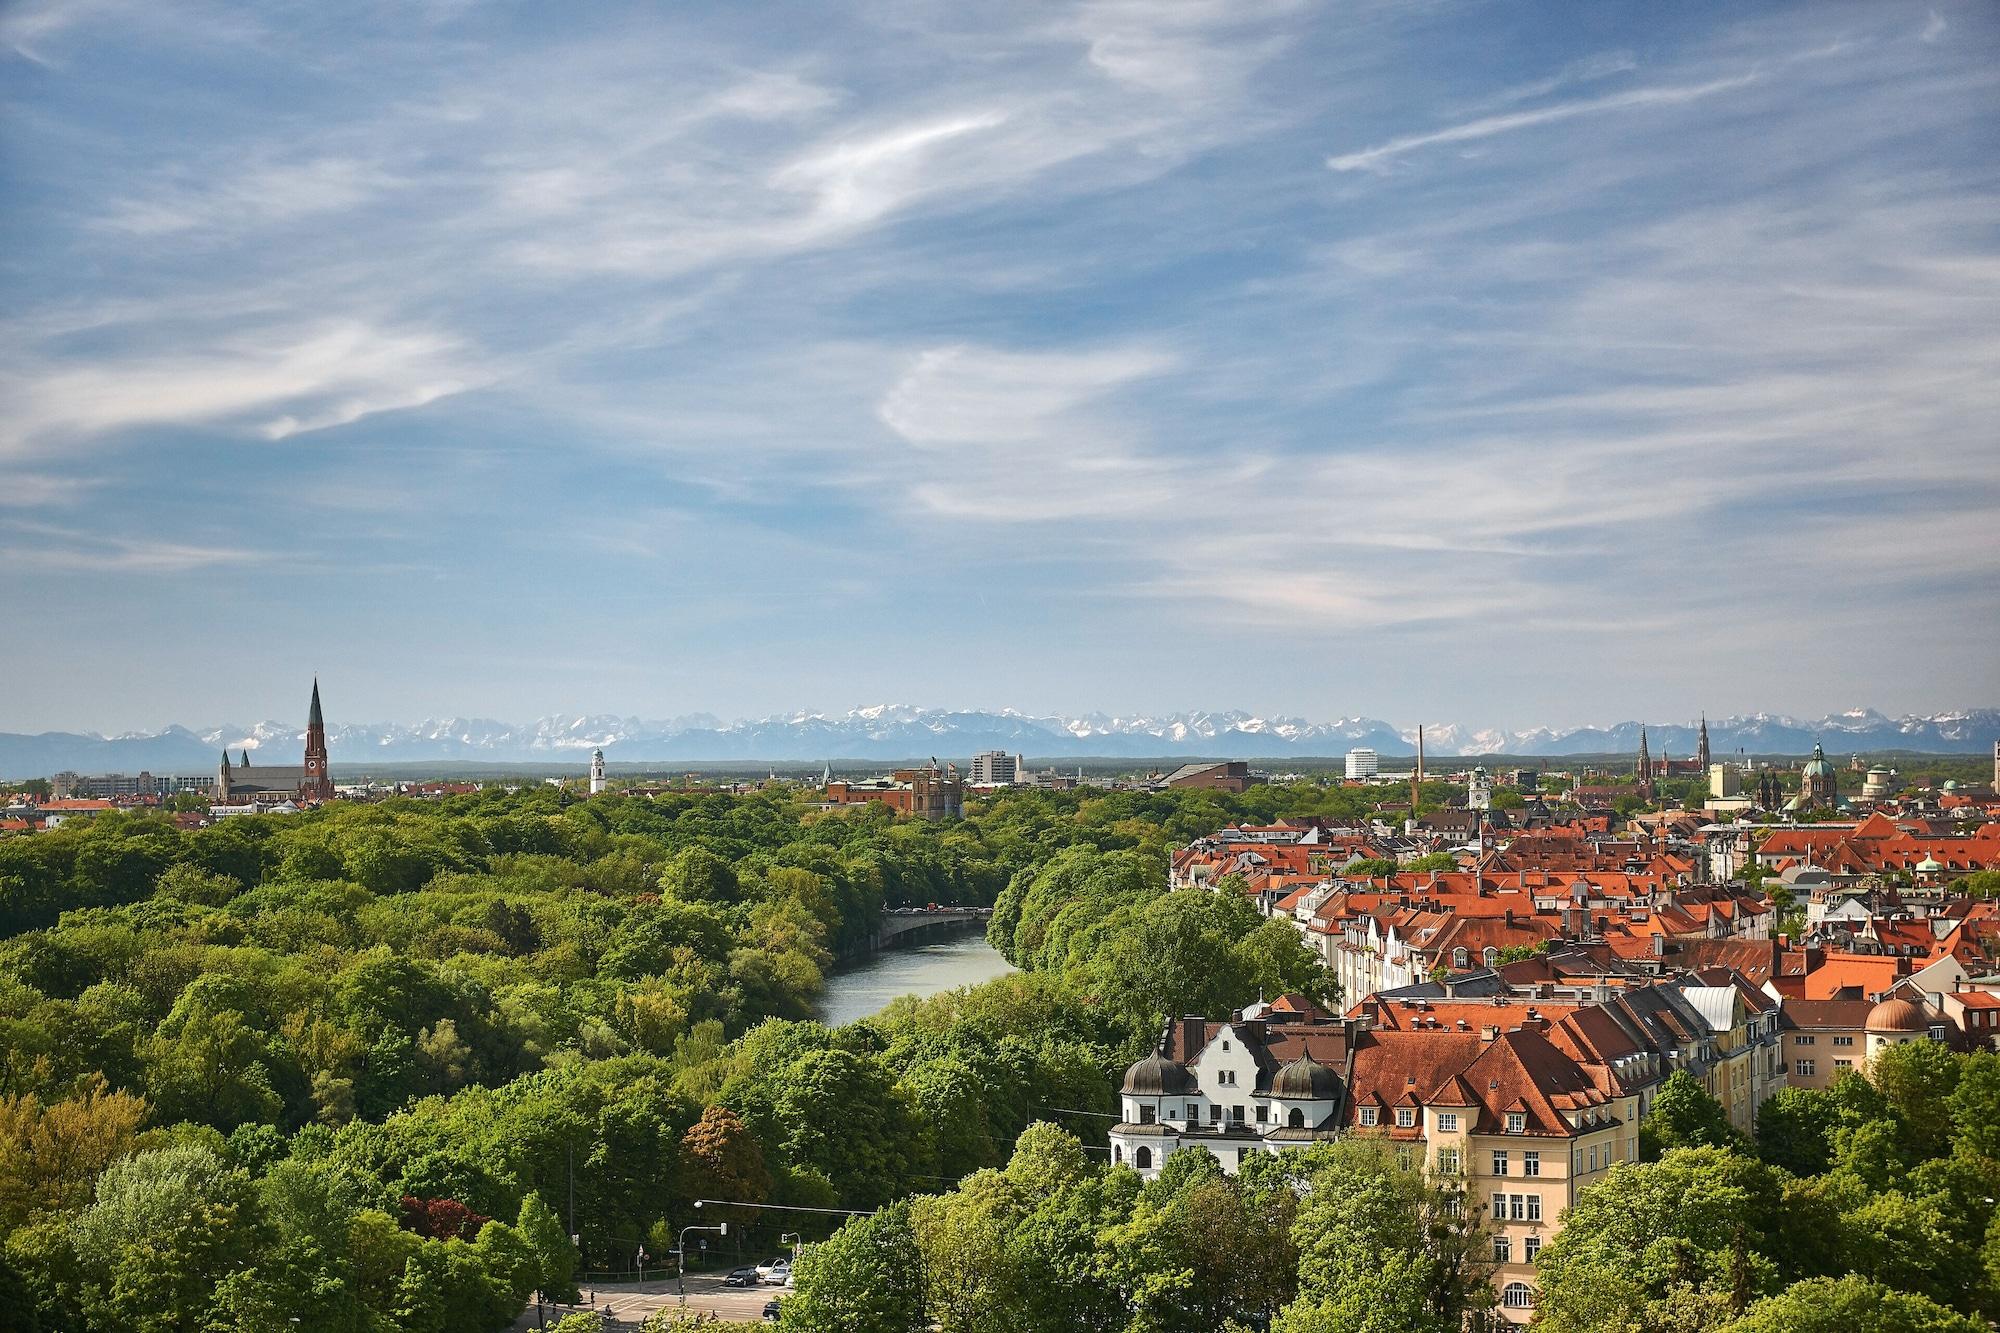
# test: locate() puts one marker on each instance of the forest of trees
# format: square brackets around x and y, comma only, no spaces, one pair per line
[367,1066]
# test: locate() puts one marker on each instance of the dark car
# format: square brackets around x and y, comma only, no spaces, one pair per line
[742,1277]
[770,1312]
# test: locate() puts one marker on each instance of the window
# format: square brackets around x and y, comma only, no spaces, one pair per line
[1145,1115]
[1215,1114]
[1448,1161]
[1405,1157]
[1843,1064]
[1461,959]
[1843,1041]
[1297,1119]
[1534,1207]
[1518,1296]
[1368,1115]
[1499,1162]
[1263,1115]
[1803,1041]
[1405,1117]
[1531,1247]
[1447,1122]
[1225,1043]
[1142,1157]
[1517,1122]
[1503,1250]
[1805,1069]
[1193,1113]
[1593,1157]
[1236,1114]
[1117,1152]
[1531,1164]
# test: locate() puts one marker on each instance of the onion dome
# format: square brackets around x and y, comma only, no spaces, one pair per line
[1157,1076]
[1929,865]
[1897,1014]
[1306,1079]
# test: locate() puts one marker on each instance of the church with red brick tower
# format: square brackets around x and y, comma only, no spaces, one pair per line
[310,781]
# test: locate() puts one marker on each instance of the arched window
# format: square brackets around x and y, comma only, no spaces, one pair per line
[1518,1296]
[1117,1152]
[1142,1157]
[1297,1119]
[1490,956]
[1460,958]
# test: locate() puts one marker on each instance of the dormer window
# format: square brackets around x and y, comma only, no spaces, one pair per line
[1368,1115]
[1405,1117]
[1517,1123]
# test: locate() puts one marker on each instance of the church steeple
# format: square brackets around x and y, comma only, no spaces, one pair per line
[318,785]
[1645,766]
[1701,745]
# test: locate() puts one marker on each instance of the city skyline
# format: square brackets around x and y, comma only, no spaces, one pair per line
[1494,362]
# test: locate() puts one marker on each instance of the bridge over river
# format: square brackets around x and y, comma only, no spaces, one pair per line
[905,925]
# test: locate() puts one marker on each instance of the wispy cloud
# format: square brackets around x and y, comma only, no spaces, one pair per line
[1487,127]
[301,380]
[76,551]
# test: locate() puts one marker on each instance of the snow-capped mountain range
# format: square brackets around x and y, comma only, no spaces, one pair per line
[899,731]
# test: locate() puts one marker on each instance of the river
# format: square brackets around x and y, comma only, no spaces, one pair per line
[866,986]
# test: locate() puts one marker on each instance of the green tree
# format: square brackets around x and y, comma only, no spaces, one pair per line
[1695,1231]
[1795,1128]
[1383,1248]
[698,875]
[554,1255]
[167,1228]
[1684,1115]
[867,1278]
[1850,1304]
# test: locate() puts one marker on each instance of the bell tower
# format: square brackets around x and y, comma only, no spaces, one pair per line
[317,785]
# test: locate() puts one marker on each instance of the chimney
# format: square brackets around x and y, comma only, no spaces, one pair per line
[1488,1032]
[1660,945]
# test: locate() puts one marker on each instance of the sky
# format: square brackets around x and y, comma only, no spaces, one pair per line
[1530,364]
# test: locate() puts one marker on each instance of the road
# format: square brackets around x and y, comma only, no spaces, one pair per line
[631,1302]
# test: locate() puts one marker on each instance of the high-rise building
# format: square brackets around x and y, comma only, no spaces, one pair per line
[996,768]
[1363,763]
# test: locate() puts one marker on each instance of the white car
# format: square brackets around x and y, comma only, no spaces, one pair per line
[775,1272]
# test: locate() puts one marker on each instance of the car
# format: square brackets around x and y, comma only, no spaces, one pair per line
[742,1277]
[775,1272]
[770,1312]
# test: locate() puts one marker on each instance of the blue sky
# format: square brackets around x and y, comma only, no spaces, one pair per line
[1511,362]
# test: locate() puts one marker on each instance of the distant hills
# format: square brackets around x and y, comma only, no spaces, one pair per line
[893,731]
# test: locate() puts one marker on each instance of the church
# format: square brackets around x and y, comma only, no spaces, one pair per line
[238,784]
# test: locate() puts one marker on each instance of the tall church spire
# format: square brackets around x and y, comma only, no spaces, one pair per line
[1645,766]
[1701,756]
[318,784]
